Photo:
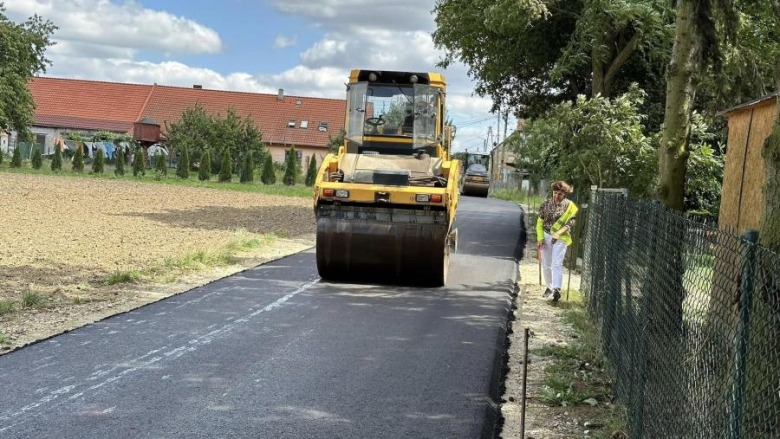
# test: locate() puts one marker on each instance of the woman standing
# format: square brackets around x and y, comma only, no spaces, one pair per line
[553,227]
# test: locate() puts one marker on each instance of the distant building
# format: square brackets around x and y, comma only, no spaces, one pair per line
[5,146]
[68,105]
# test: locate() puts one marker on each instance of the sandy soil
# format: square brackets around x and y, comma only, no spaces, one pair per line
[61,237]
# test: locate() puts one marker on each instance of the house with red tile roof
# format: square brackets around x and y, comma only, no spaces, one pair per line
[68,105]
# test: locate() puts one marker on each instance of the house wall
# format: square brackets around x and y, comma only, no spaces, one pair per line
[743,176]
[4,143]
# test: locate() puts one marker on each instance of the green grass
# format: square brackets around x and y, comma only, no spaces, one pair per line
[121,277]
[256,186]
[579,370]
[31,299]
[518,196]
[7,306]
[4,340]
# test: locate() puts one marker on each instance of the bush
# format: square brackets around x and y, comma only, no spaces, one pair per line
[16,160]
[78,159]
[311,174]
[204,172]
[183,169]
[160,168]
[248,170]
[291,174]
[138,163]
[37,159]
[269,172]
[2,156]
[56,163]
[99,163]
[224,168]
[119,166]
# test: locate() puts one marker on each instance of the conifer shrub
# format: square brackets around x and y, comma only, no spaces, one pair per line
[2,156]
[160,168]
[119,165]
[139,168]
[56,162]
[99,163]
[248,169]
[183,169]
[78,159]
[291,173]
[225,176]
[311,173]
[16,160]
[37,159]
[204,172]
[269,173]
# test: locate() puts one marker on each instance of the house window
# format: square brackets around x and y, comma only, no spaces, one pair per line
[323,126]
[304,124]
[298,103]
[291,123]
[298,155]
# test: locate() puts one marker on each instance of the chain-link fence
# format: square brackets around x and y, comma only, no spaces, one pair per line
[689,317]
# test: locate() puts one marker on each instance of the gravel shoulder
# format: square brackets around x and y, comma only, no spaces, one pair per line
[63,237]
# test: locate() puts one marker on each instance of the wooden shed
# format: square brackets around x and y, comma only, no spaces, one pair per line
[743,178]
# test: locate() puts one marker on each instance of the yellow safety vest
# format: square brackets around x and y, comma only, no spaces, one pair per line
[570,213]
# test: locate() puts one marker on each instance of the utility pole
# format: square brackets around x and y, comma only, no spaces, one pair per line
[503,145]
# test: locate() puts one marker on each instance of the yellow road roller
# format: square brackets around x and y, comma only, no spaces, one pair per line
[385,203]
[476,180]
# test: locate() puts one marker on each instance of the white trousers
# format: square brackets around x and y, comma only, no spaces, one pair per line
[552,261]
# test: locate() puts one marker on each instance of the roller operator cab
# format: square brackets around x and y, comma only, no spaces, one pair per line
[385,203]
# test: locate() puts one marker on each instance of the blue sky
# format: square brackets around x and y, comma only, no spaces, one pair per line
[306,47]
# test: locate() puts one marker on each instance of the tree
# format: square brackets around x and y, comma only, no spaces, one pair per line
[225,168]
[56,162]
[183,168]
[194,129]
[204,171]
[291,173]
[160,167]
[119,162]
[139,167]
[530,55]
[269,173]
[77,165]
[597,141]
[248,169]
[16,159]
[696,42]
[37,158]
[99,163]
[335,142]
[311,174]
[22,56]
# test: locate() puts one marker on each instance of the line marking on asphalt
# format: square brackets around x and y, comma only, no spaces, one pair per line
[167,355]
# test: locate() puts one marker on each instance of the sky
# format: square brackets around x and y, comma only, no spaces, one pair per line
[306,47]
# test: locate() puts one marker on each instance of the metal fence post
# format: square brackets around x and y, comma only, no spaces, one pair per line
[743,333]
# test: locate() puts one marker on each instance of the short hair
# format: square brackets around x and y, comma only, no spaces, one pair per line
[562,186]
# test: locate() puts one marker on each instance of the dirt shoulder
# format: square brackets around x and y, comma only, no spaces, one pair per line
[568,389]
[63,238]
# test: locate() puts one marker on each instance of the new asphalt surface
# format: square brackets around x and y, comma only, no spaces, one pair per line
[273,352]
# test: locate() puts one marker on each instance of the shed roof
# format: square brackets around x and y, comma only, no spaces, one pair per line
[749,104]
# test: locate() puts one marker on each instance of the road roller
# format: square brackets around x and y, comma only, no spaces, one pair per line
[385,202]
[475,179]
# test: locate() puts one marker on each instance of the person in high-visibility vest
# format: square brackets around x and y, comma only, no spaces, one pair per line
[553,235]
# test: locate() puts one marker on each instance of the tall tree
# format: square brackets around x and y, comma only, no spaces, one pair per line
[204,169]
[292,171]
[311,172]
[37,158]
[696,43]
[77,165]
[22,55]
[183,168]
[532,54]
[269,173]
[16,159]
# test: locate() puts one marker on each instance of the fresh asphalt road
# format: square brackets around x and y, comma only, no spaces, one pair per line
[273,352]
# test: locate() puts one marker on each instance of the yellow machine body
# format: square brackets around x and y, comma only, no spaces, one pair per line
[386,202]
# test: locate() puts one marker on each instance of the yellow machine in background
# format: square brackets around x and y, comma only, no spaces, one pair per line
[385,204]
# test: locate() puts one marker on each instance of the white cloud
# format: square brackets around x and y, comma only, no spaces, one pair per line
[128,25]
[283,42]
[375,14]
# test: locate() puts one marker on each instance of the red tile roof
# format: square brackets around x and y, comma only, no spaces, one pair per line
[79,104]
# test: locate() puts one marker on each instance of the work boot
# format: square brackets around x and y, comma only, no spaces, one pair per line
[556,295]
[547,292]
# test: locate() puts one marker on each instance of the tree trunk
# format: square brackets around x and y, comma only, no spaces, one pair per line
[680,93]
[597,82]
